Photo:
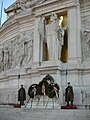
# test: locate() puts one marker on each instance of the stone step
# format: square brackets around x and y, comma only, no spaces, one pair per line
[43,114]
[6,106]
[43,102]
[10,105]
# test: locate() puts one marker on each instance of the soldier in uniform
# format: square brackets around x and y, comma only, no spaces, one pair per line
[21,95]
[69,95]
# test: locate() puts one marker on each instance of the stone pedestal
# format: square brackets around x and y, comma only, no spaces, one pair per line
[69,107]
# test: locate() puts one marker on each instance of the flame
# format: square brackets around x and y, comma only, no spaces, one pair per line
[60,20]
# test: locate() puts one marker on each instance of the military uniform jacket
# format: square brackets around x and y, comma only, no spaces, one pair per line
[69,95]
[21,94]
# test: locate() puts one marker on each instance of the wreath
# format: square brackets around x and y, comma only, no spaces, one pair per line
[53,90]
[49,78]
[32,91]
[44,87]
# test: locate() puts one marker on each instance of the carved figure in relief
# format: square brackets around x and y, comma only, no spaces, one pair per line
[10,54]
[1,58]
[23,4]
[86,40]
[27,41]
[41,28]
[1,49]
[30,52]
[17,52]
[6,56]
[61,33]
[42,37]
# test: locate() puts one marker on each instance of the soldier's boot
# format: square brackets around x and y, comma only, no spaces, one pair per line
[71,103]
[67,103]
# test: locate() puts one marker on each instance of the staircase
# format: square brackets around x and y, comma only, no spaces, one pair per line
[43,114]
[43,108]
[43,102]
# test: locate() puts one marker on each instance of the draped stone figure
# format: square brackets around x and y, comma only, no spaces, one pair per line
[6,56]
[86,40]
[42,39]
[18,52]
[61,33]
[41,28]
[54,37]
[10,54]
[23,4]
[27,41]
[1,58]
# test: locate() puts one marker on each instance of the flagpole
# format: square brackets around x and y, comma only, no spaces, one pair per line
[1,13]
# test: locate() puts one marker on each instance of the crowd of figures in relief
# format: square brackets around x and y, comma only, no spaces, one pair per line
[17,52]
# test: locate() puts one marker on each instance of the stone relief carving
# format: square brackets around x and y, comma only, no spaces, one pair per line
[18,52]
[23,4]
[11,56]
[41,28]
[27,41]
[1,57]
[6,56]
[61,33]
[86,40]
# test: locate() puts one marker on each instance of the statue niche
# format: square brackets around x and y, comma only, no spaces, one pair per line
[53,35]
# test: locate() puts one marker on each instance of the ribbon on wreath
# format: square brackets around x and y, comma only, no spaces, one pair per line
[43,89]
[34,89]
[56,91]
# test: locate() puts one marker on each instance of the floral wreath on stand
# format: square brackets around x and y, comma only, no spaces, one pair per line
[44,87]
[32,90]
